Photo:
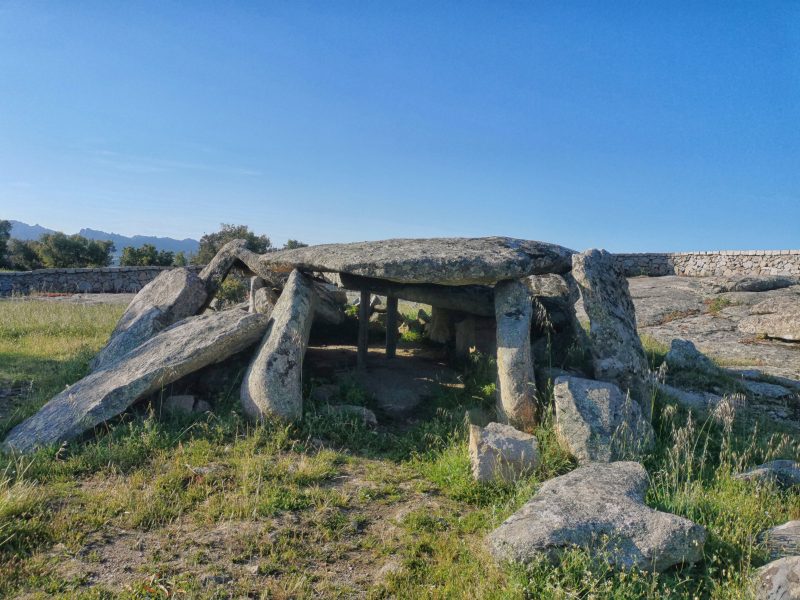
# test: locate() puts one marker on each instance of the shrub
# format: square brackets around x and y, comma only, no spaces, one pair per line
[145,256]
[59,250]
[210,243]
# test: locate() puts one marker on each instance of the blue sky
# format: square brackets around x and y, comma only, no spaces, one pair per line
[629,126]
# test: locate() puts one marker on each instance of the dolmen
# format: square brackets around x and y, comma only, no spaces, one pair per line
[168,330]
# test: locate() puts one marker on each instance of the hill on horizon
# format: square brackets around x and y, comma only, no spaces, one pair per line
[23,231]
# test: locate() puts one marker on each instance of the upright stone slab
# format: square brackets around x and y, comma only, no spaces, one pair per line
[273,384]
[217,270]
[187,346]
[479,333]
[617,351]
[516,388]
[170,297]
[440,327]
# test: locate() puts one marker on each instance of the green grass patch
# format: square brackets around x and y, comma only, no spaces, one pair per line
[320,494]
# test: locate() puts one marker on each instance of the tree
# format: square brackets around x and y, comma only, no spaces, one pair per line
[5,234]
[145,256]
[292,244]
[57,250]
[180,259]
[210,243]
[22,255]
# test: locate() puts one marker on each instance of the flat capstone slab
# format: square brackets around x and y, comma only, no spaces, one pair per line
[447,261]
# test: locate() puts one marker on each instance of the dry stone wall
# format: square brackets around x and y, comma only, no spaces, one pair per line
[97,280]
[652,264]
[701,264]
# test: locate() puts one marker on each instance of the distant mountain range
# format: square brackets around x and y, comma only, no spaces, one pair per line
[23,231]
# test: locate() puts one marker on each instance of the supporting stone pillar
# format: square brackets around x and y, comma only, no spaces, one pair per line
[391,326]
[363,328]
[273,384]
[516,392]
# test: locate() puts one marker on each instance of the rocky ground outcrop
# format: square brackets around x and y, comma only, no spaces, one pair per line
[699,310]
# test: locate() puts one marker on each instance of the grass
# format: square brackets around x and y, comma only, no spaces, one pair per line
[715,305]
[211,506]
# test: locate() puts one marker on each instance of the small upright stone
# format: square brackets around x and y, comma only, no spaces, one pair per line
[500,452]
[599,423]
[684,355]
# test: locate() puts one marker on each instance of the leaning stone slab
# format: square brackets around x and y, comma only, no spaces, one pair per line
[171,354]
[499,452]
[516,386]
[783,473]
[599,507]
[215,272]
[783,540]
[273,384]
[617,352]
[779,580]
[598,423]
[446,261]
[170,297]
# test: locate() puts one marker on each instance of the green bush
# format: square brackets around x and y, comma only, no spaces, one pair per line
[232,291]
[145,256]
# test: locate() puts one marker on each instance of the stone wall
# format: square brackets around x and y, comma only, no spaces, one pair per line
[653,264]
[725,263]
[107,279]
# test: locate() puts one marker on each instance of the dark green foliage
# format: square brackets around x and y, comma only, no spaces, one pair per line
[146,255]
[180,259]
[232,291]
[58,250]
[210,243]
[22,256]
[292,244]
